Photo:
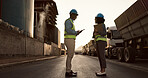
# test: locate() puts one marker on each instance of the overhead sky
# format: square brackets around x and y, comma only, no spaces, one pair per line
[87,10]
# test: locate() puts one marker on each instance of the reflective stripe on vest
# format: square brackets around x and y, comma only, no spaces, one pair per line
[66,35]
[99,37]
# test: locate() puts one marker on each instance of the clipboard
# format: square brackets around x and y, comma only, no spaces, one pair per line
[98,27]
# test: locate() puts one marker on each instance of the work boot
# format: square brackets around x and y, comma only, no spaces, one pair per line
[71,74]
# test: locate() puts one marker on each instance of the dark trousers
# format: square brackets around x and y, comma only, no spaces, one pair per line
[100,47]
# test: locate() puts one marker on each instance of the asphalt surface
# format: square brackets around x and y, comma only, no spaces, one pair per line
[85,66]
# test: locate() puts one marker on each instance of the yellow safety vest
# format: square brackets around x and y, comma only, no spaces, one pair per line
[99,37]
[66,35]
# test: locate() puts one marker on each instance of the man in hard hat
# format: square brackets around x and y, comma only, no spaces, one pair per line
[100,38]
[69,40]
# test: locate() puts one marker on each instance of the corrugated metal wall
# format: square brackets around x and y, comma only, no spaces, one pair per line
[134,20]
[132,14]
[19,13]
[0,8]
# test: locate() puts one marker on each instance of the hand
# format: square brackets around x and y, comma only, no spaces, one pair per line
[78,32]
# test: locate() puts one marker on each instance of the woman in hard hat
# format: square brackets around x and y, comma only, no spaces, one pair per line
[100,37]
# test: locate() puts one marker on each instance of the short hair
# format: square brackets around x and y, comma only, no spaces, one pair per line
[99,20]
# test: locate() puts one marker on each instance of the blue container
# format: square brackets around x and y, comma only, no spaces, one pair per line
[0,8]
[19,13]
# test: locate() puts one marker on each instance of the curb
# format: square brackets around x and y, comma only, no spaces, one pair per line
[27,61]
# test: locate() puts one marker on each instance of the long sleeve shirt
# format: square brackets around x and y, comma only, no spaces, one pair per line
[68,27]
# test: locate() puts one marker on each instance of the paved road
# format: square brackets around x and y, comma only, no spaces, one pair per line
[86,66]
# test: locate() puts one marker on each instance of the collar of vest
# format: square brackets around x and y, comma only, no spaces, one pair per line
[70,19]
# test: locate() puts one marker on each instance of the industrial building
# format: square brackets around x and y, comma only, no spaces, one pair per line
[34,21]
[45,21]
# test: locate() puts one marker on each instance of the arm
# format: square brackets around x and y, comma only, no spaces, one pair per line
[103,33]
[93,35]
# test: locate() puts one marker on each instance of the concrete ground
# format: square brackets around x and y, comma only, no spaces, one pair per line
[85,66]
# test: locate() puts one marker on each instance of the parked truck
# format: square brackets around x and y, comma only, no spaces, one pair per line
[85,49]
[132,25]
[63,50]
[114,42]
[92,48]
